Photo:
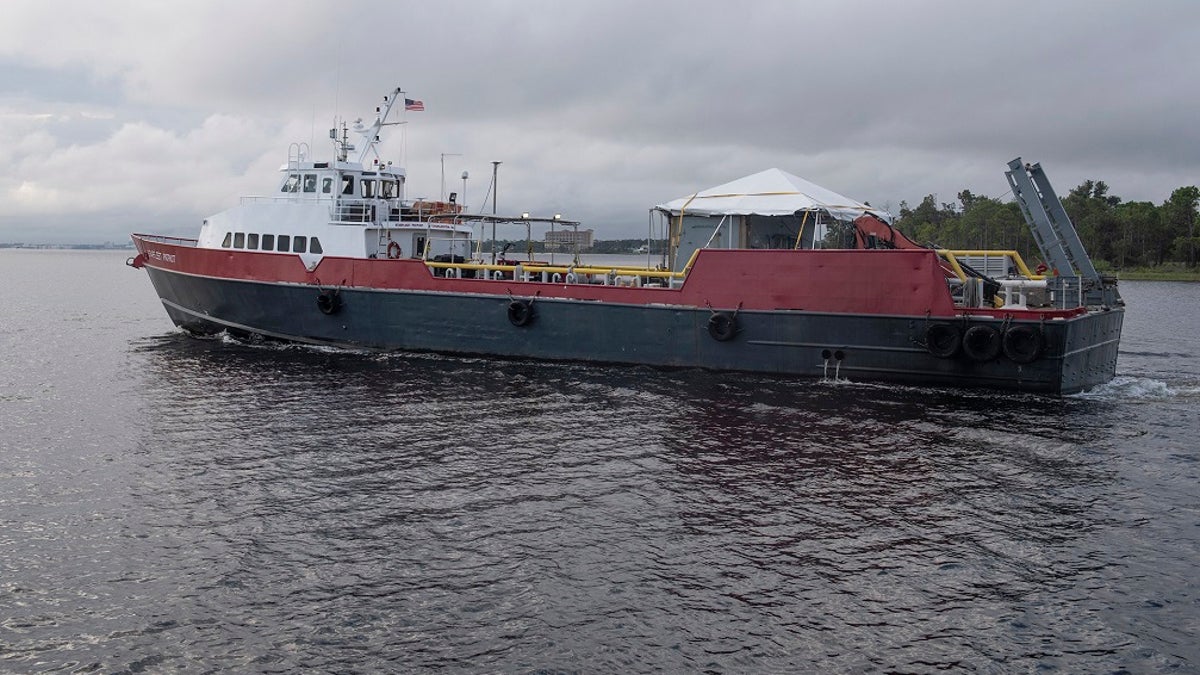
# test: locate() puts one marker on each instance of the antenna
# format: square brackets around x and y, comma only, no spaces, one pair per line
[495,186]
[370,134]
[442,194]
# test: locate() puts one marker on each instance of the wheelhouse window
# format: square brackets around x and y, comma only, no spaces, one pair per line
[268,242]
[285,242]
[227,241]
[348,185]
[326,185]
[368,188]
[310,182]
[315,246]
[389,189]
[239,240]
[252,241]
[298,244]
[292,184]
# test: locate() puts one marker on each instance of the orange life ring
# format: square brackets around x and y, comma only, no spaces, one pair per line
[393,250]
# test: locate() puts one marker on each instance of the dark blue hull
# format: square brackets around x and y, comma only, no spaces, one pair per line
[1079,353]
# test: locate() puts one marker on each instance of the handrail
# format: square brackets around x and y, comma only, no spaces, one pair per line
[163,239]
[952,255]
[526,267]
[691,261]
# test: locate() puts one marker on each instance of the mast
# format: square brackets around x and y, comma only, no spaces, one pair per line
[371,133]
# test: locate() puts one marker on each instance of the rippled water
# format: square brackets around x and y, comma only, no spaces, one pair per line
[183,505]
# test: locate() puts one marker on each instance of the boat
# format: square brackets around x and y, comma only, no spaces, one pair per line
[823,287]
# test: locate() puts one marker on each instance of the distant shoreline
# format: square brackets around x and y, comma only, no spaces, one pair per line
[1151,275]
[107,246]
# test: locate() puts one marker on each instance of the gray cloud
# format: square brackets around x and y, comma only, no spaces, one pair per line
[598,110]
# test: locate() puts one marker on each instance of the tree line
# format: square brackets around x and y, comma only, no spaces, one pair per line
[1115,233]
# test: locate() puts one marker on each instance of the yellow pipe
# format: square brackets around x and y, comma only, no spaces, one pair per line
[677,236]
[1021,266]
[801,234]
[958,270]
[688,267]
[644,272]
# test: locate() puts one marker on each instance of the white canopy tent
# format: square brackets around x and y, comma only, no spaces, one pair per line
[769,209]
[768,193]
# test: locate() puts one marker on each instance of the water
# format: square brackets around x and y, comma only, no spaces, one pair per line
[169,504]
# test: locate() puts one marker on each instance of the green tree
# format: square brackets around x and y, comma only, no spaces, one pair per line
[1141,235]
[1092,210]
[992,224]
[929,224]
[977,221]
[1179,212]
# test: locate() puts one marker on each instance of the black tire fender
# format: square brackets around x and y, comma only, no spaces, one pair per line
[943,340]
[981,343]
[329,302]
[520,312]
[722,326]
[1023,344]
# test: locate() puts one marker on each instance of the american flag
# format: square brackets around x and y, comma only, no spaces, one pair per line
[410,104]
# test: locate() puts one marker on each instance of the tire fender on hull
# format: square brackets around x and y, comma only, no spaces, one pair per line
[722,326]
[1023,344]
[329,302]
[943,340]
[981,343]
[520,312]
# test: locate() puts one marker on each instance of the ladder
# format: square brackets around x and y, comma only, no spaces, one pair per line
[1052,228]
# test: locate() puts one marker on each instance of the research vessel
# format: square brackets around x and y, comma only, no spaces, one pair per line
[768,274]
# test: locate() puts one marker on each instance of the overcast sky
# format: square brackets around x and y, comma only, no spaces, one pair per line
[148,116]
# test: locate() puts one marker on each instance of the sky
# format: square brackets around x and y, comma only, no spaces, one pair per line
[122,116]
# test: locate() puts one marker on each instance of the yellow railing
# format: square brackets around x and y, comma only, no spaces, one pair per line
[546,273]
[538,271]
[952,256]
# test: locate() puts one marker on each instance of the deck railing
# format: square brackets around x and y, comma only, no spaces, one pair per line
[557,274]
[174,241]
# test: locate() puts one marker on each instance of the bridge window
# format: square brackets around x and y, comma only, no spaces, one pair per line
[310,182]
[389,189]
[348,185]
[315,246]
[268,242]
[252,241]
[368,188]
[298,244]
[285,242]
[327,185]
[227,241]
[292,184]
[239,240]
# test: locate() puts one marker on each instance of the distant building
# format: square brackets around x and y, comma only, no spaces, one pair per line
[568,240]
